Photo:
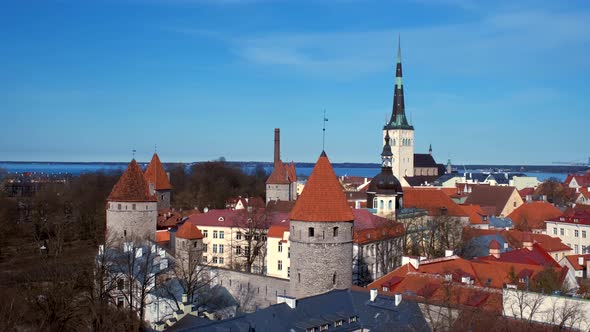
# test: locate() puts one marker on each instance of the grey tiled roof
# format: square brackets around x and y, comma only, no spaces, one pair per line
[327,308]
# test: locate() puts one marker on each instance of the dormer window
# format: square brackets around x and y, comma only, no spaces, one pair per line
[324,327]
[352,319]
[338,323]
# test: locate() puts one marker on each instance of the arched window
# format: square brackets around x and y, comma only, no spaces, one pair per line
[381,204]
[375,203]
[335,231]
[390,204]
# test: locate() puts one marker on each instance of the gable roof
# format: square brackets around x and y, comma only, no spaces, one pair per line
[573,260]
[131,187]
[490,196]
[423,160]
[533,215]
[583,180]
[322,198]
[475,213]
[189,231]
[156,174]
[435,201]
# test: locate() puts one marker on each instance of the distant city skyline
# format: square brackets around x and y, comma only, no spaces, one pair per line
[485,83]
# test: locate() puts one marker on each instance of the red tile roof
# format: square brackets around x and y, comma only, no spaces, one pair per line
[189,231]
[536,256]
[131,187]
[576,217]
[583,180]
[488,196]
[475,213]
[494,244]
[278,230]
[156,174]
[278,175]
[234,218]
[573,259]
[533,215]
[162,236]
[524,192]
[433,200]
[515,238]
[370,228]
[322,198]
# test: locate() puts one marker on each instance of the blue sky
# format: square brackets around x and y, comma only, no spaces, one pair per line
[501,82]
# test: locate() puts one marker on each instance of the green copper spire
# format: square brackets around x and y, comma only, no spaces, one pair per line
[398,115]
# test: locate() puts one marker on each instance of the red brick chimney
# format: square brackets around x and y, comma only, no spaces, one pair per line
[277,145]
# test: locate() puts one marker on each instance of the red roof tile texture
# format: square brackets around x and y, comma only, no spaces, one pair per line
[322,198]
[533,215]
[189,231]
[475,213]
[131,187]
[162,236]
[573,260]
[156,174]
[282,174]
[434,200]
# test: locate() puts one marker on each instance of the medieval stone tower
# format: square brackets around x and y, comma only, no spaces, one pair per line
[321,235]
[399,129]
[131,210]
[281,185]
[158,182]
[188,247]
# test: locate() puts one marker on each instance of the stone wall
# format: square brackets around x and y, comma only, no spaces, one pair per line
[278,192]
[321,262]
[251,291]
[125,221]
[163,199]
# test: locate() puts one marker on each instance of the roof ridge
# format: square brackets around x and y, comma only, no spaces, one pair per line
[131,186]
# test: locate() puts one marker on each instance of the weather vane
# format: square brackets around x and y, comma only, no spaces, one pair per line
[134,153]
[324,131]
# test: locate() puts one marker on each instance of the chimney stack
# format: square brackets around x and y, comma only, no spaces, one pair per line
[277,146]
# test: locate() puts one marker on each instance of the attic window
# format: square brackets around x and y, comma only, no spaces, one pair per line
[324,327]
[338,322]
[310,329]
[220,219]
[352,319]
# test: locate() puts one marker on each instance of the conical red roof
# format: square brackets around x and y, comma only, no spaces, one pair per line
[156,174]
[132,186]
[189,231]
[322,198]
[279,174]
[494,244]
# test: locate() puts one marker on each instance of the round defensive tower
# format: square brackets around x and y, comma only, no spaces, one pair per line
[321,235]
[132,211]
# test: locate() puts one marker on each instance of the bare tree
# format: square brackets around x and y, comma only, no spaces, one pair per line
[249,244]
[523,305]
[194,275]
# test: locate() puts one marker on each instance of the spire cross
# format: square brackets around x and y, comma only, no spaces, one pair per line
[324,120]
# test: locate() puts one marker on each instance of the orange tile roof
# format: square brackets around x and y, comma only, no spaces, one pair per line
[162,236]
[533,215]
[322,198]
[573,259]
[433,200]
[278,231]
[189,231]
[475,213]
[279,174]
[156,174]
[131,187]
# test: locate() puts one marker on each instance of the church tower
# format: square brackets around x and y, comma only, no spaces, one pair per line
[321,235]
[385,193]
[399,129]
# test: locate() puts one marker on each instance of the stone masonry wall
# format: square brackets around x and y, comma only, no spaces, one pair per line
[275,192]
[140,222]
[163,199]
[252,291]
[322,262]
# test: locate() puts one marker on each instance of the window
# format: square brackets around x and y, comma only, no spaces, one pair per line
[561,232]
[339,323]
[576,248]
[554,230]
[238,235]
[310,232]
[335,231]
[118,206]
[120,284]
[298,277]
[120,301]
[238,250]
[289,252]
[288,272]
[195,244]
[133,206]
[204,258]
[214,234]
[124,232]
[390,204]
[324,327]
[280,247]
[214,260]
[334,278]
[247,251]
[214,248]
[584,249]
[375,203]
[514,204]
[583,234]
[352,319]
[280,265]
[310,329]
[205,245]
[221,234]
[205,233]
[221,248]
[381,204]
[576,233]
[221,260]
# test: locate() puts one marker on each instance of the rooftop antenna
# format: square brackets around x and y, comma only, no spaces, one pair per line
[324,131]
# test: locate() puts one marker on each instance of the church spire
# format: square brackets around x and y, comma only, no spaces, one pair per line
[398,115]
